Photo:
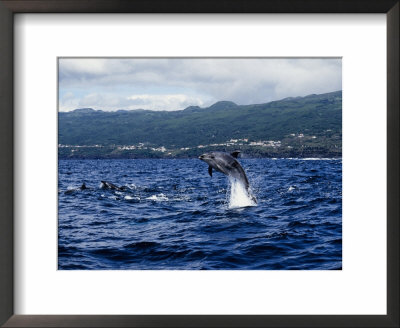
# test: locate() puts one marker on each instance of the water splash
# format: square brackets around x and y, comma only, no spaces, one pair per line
[159,198]
[239,196]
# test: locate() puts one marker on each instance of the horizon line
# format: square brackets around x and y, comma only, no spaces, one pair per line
[196,106]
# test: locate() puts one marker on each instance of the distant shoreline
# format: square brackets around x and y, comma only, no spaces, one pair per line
[84,152]
[175,158]
[303,127]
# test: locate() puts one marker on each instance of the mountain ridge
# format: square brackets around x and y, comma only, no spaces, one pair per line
[315,120]
[217,104]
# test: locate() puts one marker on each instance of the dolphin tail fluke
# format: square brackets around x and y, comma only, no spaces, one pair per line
[253,198]
[250,195]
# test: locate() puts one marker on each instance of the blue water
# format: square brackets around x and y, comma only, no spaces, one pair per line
[173,215]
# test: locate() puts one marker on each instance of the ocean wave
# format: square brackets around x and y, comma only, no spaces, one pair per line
[171,221]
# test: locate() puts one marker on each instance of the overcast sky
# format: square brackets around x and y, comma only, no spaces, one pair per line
[174,84]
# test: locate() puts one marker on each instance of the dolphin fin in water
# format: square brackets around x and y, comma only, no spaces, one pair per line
[111,186]
[210,171]
[235,154]
[82,187]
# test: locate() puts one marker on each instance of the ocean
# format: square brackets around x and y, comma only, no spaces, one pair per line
[169,214]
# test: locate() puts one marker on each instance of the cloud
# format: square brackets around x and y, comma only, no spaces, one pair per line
[109,102]
[164,102]
[68,102]
[161,84]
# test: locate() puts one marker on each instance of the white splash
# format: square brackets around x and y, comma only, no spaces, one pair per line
[159,198]
[239,197]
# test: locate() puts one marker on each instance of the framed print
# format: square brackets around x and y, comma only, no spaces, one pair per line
[192,169]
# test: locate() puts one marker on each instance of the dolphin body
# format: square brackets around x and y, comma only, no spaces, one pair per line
[228,165]
[110,186]
[82,187]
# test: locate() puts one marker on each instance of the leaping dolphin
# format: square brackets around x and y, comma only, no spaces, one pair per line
[228,165]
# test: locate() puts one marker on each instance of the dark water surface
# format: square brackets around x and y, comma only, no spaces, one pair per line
[173,215]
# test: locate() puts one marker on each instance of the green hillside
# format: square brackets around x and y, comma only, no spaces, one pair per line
[310,125]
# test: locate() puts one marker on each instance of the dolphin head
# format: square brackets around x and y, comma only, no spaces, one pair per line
[207,157]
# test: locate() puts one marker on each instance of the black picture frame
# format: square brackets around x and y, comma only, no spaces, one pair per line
[10,7]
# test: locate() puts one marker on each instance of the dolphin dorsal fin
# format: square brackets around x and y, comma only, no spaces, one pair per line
[235,153]
[210,171]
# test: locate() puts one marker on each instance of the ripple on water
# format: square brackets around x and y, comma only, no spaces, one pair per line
[166,219]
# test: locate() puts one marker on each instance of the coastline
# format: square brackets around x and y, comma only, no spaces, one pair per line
[118,152]
[314,157]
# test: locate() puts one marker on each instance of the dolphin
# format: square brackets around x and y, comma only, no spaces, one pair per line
[82,187]
[228,165]
[109,185]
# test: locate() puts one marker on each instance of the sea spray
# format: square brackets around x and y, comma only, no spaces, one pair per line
[239,196]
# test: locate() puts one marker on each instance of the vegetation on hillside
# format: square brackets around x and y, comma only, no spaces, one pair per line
[308,126]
